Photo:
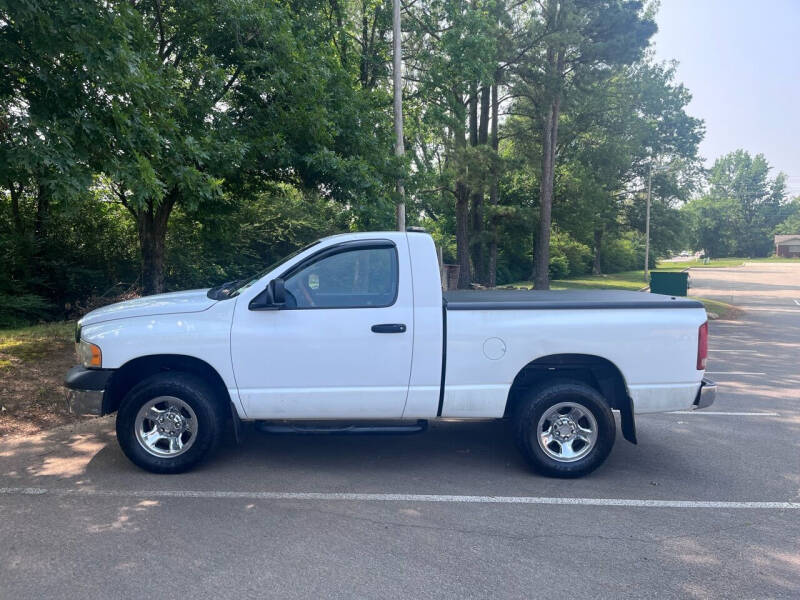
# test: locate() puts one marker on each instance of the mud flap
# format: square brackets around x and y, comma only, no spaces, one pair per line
[237,425]
[627,422]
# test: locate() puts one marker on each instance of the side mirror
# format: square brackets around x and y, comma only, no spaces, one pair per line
[272,298]
[277,289]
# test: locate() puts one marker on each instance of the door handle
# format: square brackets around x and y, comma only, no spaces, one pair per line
[389,328]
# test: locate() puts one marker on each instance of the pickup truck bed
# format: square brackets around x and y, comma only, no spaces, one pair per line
[560,300]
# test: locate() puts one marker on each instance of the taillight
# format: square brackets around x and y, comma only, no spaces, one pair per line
[702,346]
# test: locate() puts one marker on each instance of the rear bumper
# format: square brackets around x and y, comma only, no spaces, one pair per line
[85,390]
[706,394]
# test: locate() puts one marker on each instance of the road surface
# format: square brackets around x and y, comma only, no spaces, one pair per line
[706,506]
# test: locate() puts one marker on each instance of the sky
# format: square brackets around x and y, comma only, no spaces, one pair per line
[741,62]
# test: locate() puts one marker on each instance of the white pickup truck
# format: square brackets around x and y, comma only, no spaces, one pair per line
[353,334]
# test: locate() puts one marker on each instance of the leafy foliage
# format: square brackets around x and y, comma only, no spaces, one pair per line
[791,224]
[742,209]
[163,144]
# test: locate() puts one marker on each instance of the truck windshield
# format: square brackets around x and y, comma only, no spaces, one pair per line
[231,289]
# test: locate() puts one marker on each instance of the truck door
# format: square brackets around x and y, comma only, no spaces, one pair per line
[341,346]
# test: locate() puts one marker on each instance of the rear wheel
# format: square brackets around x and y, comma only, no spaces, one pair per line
[169,422]
[565,429]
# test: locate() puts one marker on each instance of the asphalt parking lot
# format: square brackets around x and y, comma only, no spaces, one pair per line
[706,506]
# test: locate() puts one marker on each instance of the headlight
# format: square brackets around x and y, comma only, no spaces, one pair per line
[89,354]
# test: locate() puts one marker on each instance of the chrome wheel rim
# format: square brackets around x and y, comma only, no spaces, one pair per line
[567,432]
[166,426]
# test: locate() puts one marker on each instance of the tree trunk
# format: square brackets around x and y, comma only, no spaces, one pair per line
[493,187]
[152,228]
[363,67]
[462,234]
[462,192]
[341,44]
[541,254]
[42,211]
[478,241]
[15,214]
[473,115]
[476,245]
[20,259]
[474,197]
[598,241]
[483,125]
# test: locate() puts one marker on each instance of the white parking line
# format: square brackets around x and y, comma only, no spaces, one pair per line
[737,351]
[355,497]
[727,414]
[732,373]
[797,302]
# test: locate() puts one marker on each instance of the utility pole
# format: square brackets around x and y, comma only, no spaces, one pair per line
[399,149]
[647,224]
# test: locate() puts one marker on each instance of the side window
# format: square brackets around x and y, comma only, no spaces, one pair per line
[358,278]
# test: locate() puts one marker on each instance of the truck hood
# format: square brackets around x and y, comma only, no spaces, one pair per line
[160,304]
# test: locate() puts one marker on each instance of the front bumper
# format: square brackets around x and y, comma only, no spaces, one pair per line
[85,390]
[706,394]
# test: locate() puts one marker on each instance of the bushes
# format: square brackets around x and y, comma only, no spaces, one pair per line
[625,253]
[17,310]
[618,255]
[559,266]
[568,257]
[86,255]
[233,239]
[60,254]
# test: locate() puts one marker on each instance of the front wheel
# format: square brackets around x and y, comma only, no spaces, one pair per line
[565,429]
[168,423]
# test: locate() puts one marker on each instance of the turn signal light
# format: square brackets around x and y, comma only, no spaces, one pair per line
[97,357]
[90,354]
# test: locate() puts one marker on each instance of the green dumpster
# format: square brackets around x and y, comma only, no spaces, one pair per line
[670,283]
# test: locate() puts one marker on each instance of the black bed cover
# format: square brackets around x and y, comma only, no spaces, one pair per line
[564,300]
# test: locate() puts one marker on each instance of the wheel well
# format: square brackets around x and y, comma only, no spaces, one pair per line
[598,372]
[138,369]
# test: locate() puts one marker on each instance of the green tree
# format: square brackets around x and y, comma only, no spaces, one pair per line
[760,198]
[206,137]
[743,206]
[229,95]
[581,43]
[456,59]
[791,222]
[713,225]
[47,133]
[606,149]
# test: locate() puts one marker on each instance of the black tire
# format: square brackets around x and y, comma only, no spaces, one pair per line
[541,399]
[190,389]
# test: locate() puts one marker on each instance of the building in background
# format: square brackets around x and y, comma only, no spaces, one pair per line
[788,246]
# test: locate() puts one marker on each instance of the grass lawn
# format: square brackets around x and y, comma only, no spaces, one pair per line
[33,362]
[625,280]
[632,280]
[723,310]
[35,341]
[728,262]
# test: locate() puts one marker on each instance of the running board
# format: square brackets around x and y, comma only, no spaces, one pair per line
[339,428]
